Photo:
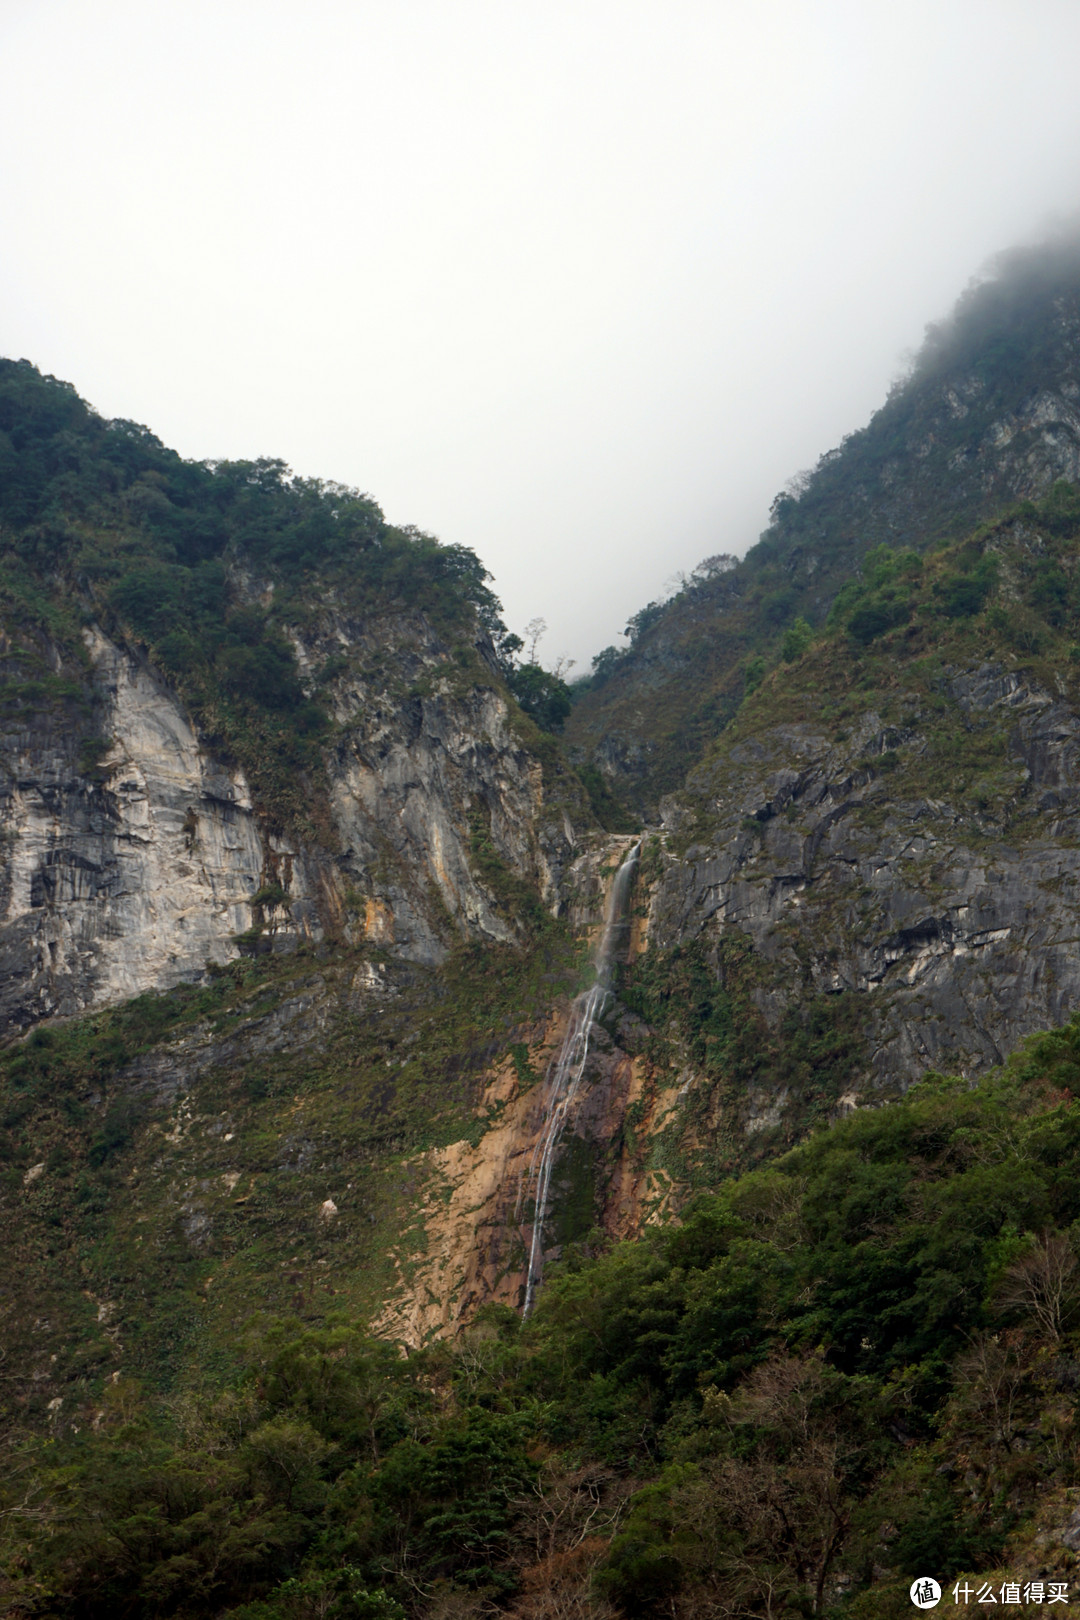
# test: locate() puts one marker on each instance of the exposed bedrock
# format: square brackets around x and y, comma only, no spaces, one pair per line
[959,926]
[131,868]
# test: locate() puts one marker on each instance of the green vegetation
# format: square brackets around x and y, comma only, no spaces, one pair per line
[881,600]
[607,807]
[1007,595]
[797,638]
[856,1364]
[922,472]
[208,567]
[698,1006]
[543,695]
[853,1357]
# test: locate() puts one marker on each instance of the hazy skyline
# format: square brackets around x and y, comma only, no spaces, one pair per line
[578,285]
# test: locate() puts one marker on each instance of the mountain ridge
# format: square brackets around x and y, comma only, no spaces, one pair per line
[989,414]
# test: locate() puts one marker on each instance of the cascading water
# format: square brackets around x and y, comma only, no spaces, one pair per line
[568,1066]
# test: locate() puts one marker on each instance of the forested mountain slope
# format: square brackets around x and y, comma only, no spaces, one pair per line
[989,414]
[855,1366]
[276,827]
[297,903]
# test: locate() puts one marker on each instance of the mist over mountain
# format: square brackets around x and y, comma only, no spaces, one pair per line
[463,1153]
[989,414]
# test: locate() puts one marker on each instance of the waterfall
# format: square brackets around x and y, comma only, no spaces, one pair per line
[568,1065]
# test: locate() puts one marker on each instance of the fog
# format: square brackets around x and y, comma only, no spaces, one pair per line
[580,285]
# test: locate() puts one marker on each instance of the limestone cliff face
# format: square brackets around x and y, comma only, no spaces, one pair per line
[132,872]
[1024,450]
[423,762]
[125,878]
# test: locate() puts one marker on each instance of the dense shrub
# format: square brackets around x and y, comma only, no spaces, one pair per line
[800,1381]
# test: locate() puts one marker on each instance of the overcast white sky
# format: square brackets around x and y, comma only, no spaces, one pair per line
[579,283]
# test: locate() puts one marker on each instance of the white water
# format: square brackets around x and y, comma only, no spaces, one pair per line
[567,1067]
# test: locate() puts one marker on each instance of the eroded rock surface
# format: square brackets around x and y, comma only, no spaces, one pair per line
[957,922]
[131,871]
[126,877]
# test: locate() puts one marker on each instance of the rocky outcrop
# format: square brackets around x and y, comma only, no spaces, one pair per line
[135,870]
[426,763]
[952,913]
[127,876]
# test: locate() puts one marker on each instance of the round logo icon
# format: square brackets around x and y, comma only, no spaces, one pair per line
[925,1592]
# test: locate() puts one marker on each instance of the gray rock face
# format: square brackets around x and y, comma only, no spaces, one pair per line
[135,873]
[425,763]
[959,926]
[127,879]
[988,456]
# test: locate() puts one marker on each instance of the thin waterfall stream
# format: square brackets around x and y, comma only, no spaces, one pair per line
[567,1067]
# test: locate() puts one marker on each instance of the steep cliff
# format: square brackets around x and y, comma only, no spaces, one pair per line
[240,711]
[132,873]
[874,872]
[275,826]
